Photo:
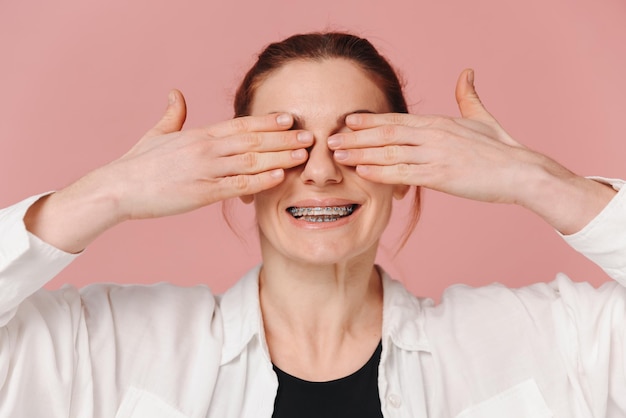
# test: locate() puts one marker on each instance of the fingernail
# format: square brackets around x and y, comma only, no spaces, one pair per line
[298,154]
[305,137]
[171,98]
[353,120]
[334,141]
[341,154]
[278,173]
[284,119]
[362,169]
[470,77]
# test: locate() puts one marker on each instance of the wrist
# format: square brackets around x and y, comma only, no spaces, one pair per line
[73,217]
[565,200]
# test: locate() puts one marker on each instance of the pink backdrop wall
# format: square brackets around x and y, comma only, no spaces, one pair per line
[81,82]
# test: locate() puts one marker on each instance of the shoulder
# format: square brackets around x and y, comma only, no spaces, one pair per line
[162,305]
[497,312]
[122,295]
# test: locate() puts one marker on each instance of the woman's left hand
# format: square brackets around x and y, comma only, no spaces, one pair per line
[471,157]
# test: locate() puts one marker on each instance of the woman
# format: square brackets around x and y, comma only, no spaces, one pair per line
[321,146]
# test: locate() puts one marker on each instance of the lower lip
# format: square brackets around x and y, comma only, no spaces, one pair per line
[300,223]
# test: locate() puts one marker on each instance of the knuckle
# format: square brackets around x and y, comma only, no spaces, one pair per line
[252,140]
[249,160]
[403,170]
[241,124]
[390,154]
[388,132]
[397,119]
[241,183]
[200,149]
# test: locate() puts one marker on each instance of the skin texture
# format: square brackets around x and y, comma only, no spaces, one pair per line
[171,171]
[298,89]
[471,157]
[320,293]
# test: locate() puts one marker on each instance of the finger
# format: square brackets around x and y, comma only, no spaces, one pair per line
[266,123]
[174,117]
[258,162]
[392,174]
[389,155]
[469,103]
[357,121]
[263,142]
[377,137]
[242,185]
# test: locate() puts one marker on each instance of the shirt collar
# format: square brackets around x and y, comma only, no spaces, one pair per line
[403,316]
[241,315]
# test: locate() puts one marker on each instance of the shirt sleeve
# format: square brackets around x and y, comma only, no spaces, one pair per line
[593,321]
[603,240]
[105,350]
[26,262]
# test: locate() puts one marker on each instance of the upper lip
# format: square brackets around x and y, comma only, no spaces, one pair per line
[322,203]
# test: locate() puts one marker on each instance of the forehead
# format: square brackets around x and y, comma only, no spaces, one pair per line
[325,88]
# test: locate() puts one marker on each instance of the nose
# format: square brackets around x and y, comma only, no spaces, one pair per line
[321,169]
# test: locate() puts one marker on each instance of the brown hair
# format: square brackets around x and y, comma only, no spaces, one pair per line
[319,46]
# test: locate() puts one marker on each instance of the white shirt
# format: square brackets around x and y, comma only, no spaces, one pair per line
[556,349]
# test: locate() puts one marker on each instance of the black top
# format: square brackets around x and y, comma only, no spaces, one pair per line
[355,395]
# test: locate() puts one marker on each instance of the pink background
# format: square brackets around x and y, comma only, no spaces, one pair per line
[81,82]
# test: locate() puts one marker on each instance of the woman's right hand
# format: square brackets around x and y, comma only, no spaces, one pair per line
[171,171]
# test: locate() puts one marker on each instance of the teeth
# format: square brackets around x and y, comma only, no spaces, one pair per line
[320,218]
[321,214]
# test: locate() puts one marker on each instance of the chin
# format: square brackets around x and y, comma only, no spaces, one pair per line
[324,252]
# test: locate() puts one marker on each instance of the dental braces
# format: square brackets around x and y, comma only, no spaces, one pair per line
[322,211]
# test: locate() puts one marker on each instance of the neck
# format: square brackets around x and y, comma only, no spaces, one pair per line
[322,321]
[306,296]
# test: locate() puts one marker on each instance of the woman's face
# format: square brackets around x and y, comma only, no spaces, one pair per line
[323,212]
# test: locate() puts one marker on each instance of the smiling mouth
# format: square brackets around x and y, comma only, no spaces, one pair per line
[322,213]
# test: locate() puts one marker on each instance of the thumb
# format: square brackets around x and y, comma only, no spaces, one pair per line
[469,103]
[174,117]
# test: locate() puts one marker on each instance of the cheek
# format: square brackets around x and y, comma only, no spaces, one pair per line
[384,206]
[261,206]
[266,205]
[382,194]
